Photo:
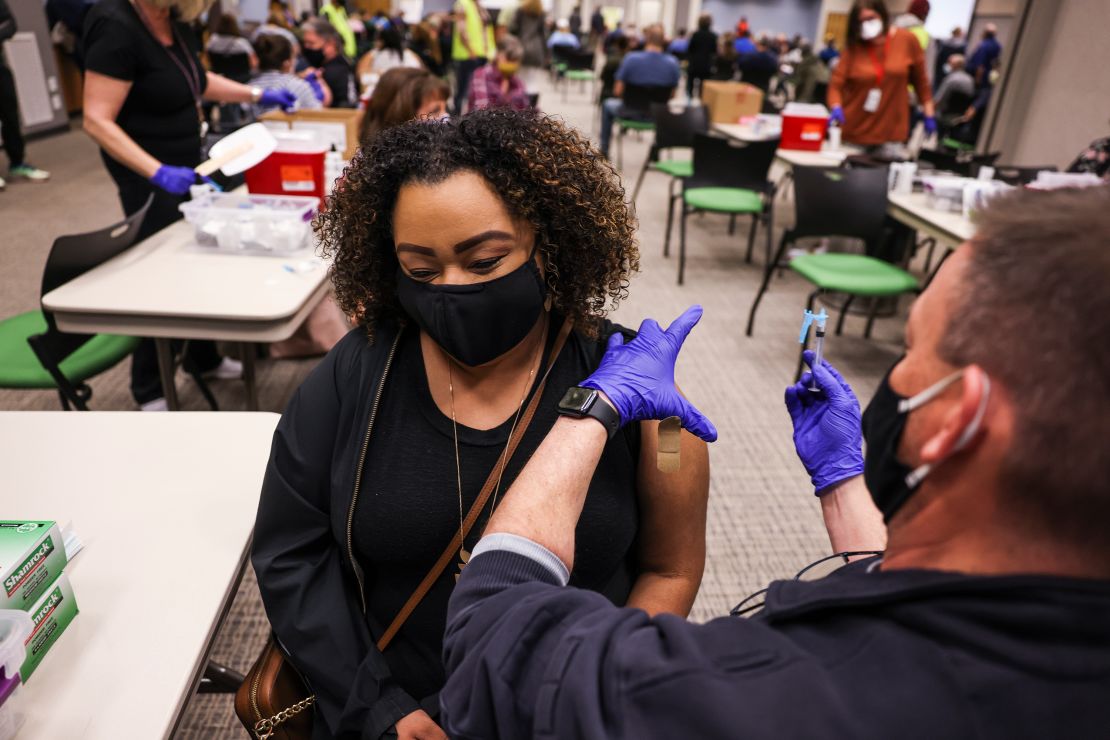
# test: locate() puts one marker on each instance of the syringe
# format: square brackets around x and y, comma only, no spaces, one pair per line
[819,332]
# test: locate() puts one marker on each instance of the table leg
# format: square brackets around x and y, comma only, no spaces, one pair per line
[166,367]
[246,352]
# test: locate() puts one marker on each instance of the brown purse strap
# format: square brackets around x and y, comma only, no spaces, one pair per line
[479,503]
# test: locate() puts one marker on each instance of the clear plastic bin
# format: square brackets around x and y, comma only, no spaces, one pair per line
[15,628]
[259,224]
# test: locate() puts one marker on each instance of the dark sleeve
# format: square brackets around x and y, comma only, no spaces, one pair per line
[311,601]
[337,76]
[527,658]
[109,50]
[7,22]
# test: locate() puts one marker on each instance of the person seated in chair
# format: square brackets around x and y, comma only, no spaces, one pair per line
[651,67]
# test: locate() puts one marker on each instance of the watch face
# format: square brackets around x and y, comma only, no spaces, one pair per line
[577,400]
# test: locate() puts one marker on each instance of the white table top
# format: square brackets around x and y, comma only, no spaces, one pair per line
[913,210]
[169,286]
[827,157]
[165,505]
[745,132]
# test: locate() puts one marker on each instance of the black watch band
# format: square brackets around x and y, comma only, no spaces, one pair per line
[580,403]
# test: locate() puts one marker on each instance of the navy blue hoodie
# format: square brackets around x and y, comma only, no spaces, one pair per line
[860,654]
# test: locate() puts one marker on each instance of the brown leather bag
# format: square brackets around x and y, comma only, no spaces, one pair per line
[274,701]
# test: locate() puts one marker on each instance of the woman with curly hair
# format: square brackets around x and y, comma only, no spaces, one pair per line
[479,257]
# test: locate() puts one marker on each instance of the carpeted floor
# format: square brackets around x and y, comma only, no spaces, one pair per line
[763,520]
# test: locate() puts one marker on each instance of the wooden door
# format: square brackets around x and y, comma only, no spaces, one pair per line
[836,24]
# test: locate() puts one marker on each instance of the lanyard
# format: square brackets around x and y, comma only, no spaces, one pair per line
[880,68]
[192,74]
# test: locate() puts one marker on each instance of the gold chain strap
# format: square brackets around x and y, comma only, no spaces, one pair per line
[264,728]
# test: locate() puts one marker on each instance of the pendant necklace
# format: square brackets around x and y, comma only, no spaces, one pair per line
[464,554]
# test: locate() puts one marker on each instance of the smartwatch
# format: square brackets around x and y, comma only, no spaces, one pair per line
[579,403]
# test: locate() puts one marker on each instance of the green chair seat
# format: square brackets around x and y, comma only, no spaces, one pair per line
[20,368]
[853,273]
[560,67]
[580,75]
[724,200]
[674,167]
[634,125]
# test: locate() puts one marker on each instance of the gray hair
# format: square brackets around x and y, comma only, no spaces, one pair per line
[511,47]
[324,30]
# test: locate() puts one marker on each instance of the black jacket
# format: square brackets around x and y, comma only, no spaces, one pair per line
[882,654]
[308,577]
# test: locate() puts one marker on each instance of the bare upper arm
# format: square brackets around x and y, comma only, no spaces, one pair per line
[672,505]
[104,96]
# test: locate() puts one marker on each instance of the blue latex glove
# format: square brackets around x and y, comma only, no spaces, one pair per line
[175,180]
[283,99]
[930,125]
[827,426]
[317,89]
[837,115]
[638,377]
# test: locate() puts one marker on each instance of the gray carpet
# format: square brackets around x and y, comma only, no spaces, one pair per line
[763,519]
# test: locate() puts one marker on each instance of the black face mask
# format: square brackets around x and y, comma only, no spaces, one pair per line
[890,481]
[479,322]
[314,57]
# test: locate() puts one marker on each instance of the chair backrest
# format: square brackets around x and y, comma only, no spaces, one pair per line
[233,66]
[1012,175]
[956,104]
[638,98]
[533,100]
[841,202]
[578,59]
[561,53]
[678,129]
[73,256]
[718,163]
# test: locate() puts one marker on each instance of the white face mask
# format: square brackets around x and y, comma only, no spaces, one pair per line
[871,29]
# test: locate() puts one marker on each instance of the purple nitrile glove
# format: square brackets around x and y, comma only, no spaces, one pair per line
[174,180]
[638,377]
[317,89]
[283,99]
[930,125]
[827,426]
[837,115]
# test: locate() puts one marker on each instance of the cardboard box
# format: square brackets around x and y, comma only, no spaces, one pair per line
[32,555]
[728,102]
[51,614]
[338,126]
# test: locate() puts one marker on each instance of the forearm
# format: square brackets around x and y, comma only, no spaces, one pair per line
[120,146]
[851,518]
[546,499]
[222,90]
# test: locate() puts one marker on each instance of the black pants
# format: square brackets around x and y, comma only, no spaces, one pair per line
[464,71]
[698,76]
[200,356]
[9,116]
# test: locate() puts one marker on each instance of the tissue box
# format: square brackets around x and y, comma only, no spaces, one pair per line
[728,102]
[32,555]
[51,614]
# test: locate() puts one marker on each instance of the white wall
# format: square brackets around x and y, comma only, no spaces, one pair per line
[1068,100]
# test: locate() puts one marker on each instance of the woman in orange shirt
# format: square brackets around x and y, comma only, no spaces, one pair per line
[868,91]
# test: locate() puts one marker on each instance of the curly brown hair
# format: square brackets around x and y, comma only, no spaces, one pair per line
[546,173]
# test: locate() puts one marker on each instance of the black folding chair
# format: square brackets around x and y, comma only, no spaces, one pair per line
[727,178]
[840,202]
[635,113]
[35,350]
[580,68]
[672,131]
[235,67]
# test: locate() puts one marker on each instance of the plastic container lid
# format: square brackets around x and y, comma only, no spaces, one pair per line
[15,628]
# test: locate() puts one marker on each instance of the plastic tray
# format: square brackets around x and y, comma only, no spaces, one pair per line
[15,628]
[259,224]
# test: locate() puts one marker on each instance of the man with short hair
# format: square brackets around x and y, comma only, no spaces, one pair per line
[651,67]
[322,49]
[956,91]
[985,56]
[562,36]
[988,614]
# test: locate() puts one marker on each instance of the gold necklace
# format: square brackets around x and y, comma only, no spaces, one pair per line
[464,554]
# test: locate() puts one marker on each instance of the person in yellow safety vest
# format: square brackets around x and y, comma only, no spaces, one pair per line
[335,12]
[472,46]
[913,20]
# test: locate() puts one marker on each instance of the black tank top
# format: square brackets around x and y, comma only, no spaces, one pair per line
[408,508]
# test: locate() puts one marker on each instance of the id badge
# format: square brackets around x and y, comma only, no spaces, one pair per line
[874,95]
